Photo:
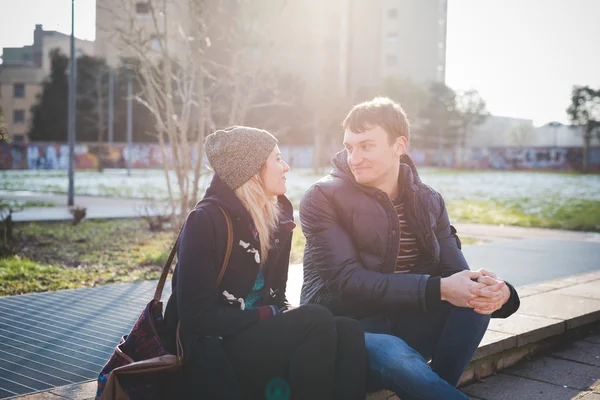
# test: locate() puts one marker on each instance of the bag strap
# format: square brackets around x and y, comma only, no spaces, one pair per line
[167,267]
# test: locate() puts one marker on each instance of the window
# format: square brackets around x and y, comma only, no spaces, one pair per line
[393,13]
[155,42]
[18,139]
[18,116]
[391,60]
[19,90]
[392,37]
[142,8]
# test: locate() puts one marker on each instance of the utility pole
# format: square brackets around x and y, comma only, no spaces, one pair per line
[129,118]
[111,105]
[71,115]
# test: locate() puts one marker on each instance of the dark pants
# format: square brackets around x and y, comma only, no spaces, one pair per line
[305,353]
[448,336]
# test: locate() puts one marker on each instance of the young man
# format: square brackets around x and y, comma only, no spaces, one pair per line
[380,248]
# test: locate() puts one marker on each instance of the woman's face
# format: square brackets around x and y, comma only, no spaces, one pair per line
[272,174]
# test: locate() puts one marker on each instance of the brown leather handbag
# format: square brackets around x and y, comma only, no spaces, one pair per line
[140,367]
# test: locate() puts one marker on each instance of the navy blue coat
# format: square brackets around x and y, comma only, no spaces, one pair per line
[196,301]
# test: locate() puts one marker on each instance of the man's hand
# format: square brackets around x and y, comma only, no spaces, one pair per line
[456,289]
[491,297]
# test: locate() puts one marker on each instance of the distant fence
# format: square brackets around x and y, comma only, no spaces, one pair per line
[54,156]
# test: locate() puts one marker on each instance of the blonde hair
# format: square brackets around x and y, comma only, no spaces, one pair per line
[264,211]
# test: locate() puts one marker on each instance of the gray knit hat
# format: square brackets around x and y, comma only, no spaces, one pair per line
[237,153]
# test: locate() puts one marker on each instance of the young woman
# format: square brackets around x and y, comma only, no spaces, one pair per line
[241,338]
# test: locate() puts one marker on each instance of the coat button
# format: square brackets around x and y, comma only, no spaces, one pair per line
[378,197]
[276,240]
[393,232]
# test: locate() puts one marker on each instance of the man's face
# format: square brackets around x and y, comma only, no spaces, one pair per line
[371,157]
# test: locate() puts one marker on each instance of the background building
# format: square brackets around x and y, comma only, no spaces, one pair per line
[19,87]
[22,72]
[351,44]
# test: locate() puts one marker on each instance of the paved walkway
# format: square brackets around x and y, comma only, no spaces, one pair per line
[569,371]
[59,356]
[97,207]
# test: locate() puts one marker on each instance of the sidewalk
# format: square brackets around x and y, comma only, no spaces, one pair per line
[551,313]
[97,207]
[571,370]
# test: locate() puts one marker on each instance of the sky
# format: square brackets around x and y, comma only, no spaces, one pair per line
[523,56]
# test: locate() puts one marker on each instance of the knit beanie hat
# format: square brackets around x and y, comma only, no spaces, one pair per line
[237,153]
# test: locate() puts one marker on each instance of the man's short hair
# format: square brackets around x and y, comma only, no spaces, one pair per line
[380,111]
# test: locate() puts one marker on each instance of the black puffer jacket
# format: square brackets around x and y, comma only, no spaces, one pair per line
[196,300]
[352,244]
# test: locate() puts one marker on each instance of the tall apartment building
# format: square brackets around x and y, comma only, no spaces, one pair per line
[351,44]
[21,74]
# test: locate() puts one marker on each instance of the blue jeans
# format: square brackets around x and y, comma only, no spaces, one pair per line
[399,346]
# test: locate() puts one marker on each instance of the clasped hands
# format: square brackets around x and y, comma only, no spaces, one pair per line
[481,290]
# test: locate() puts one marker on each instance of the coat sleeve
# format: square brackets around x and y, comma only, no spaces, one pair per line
[200,311]
[339,266]
[452,259]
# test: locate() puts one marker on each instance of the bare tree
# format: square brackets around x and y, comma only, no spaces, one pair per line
[200,65]
[520,134]
[584,113]
[473,112]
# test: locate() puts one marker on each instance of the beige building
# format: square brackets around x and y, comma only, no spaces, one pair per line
[19,87]
[21,74]
[348,44]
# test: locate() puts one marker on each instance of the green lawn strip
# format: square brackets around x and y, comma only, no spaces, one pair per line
[58,255]
[18,204]
[95,243]
[21,275]
[576,214]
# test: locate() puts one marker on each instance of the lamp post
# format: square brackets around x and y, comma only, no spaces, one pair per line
[129,118]
[71,115]
[111,105]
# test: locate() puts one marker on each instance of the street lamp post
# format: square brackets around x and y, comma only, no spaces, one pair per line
[111,105]
[71,115]
[129,118]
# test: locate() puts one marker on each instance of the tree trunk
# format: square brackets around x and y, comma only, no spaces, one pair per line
[587,138]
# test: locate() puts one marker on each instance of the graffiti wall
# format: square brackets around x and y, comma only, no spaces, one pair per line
[94,156]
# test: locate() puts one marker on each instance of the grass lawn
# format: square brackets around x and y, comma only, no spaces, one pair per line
[58,255]
[574,214]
